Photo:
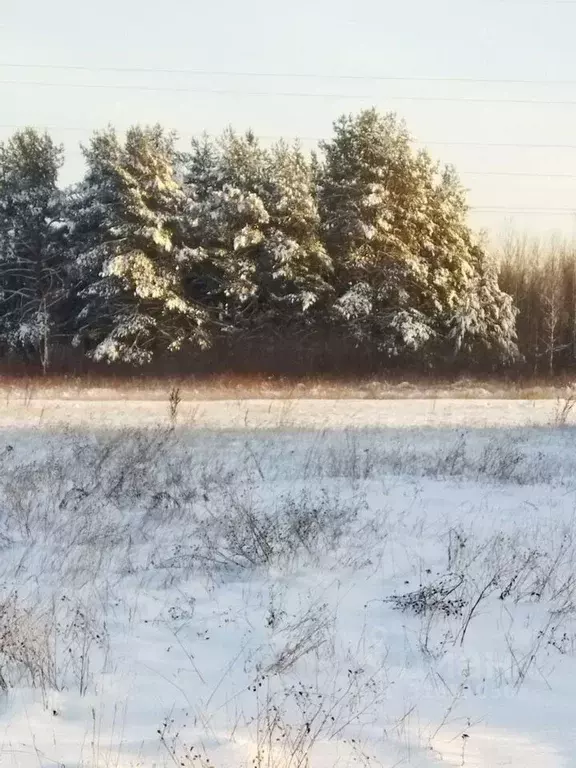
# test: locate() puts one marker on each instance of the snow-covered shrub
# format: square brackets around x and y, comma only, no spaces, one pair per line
[442,596]
[239,531]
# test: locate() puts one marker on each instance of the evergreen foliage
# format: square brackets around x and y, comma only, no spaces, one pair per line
[156,251]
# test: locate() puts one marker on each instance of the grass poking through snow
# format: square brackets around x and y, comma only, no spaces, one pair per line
[286,598]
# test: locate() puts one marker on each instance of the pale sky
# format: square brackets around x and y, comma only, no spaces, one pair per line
[466,39]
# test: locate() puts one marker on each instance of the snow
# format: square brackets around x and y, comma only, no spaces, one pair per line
[17,410]
[262,581]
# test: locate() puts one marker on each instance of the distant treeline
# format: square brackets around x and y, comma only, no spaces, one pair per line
[541,278]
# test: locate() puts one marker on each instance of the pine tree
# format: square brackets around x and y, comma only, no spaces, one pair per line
[294,276]
[260,224]
[204,274]
[33,278]
[131,243]
[224,179]
[409,274]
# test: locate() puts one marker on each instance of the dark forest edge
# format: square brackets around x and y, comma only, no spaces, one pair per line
[356,261]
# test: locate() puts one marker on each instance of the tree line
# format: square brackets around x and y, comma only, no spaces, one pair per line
[239,256]
[541,278]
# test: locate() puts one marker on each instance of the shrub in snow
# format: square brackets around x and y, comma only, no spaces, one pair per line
[244,533]
[442,596]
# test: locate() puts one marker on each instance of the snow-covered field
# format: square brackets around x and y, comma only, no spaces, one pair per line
[280,414]
[277,584]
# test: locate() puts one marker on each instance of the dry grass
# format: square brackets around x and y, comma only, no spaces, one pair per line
[105,518]
[236,387]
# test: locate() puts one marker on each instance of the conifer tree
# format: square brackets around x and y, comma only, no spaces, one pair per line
[260,224]
[409,274]
[131,243]
[33,278]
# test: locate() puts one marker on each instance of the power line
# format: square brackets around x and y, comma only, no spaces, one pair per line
[512,174]
[291,75]
[501,145]
[488,209]
[272,137]
[527,2]
[276,137]
[531,2]
[520,174]
[525,211]
[297,94]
